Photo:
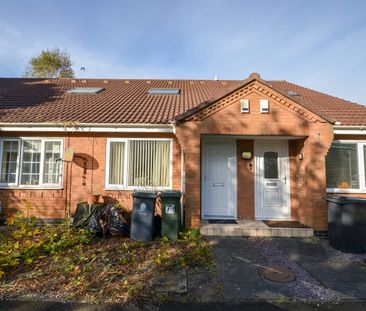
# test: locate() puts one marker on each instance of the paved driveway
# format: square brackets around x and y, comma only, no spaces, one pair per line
[340,272]
[322,274]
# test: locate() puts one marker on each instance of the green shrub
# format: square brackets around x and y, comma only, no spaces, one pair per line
[28,242]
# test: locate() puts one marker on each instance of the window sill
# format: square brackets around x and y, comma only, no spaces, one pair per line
[31,188]
[339,190]
[121,188]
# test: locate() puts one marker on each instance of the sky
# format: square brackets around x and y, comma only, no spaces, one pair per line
[320,44]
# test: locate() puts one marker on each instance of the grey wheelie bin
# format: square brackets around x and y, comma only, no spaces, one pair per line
[347,223]
[142,221]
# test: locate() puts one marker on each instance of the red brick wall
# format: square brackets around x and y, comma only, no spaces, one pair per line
[311,137]
[245,180]
[77,181]
[286,118]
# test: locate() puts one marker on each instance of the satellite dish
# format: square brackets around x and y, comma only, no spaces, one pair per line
[69,154]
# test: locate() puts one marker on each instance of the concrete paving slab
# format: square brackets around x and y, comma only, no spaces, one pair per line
[302,250]
[330,267]
[321,272]
[230,242]
[336,271]
[241,274]
[348,290]
[240,291]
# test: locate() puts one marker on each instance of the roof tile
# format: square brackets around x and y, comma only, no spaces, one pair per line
[127,101]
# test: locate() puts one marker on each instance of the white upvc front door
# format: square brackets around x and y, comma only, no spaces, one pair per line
[272,182]
[219,180]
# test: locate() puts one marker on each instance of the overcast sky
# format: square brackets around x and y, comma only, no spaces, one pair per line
[320,44]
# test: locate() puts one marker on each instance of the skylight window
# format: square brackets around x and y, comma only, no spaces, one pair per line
[85,90]
[160,91]
[292,93]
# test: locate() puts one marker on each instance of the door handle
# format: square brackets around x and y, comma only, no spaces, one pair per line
[285,179]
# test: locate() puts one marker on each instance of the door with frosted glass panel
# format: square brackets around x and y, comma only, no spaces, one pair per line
[272,195]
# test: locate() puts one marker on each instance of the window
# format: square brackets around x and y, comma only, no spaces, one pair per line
[264,105]
[117,162]
[161,91]
[10,153]
[270,165]
[244,105]
[85,90]
[345,167]
[51,165]
[31,162]
[135,163]
[292,93]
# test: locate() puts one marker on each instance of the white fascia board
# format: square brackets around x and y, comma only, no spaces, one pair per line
[349,130]
[88,128]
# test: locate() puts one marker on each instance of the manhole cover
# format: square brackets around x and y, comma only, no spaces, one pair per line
[277,274]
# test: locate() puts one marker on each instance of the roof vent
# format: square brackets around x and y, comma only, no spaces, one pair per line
[85,90]
[292,93]
[160,91]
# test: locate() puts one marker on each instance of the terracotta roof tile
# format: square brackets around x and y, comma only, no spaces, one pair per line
[330,107]
[36,101]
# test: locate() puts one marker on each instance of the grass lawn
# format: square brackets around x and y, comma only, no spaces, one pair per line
[63,263]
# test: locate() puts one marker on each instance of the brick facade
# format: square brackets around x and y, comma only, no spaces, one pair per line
[310,135]
[77,181]
[307,134]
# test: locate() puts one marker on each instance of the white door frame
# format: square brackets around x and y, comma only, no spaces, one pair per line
[257,184]
[233,178]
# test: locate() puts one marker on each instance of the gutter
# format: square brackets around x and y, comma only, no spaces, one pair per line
[349,129]
[87,127]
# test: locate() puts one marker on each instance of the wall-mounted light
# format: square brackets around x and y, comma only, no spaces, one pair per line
[301,157]
[246,155]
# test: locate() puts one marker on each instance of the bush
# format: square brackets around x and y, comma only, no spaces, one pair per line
[28,242]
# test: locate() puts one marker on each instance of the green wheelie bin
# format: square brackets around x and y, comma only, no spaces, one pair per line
[171,210]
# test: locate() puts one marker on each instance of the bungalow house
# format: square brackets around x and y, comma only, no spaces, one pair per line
[248,149]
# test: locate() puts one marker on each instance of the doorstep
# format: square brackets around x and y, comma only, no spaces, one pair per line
[252,228]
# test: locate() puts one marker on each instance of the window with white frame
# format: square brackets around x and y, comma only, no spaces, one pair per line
[138,163]
[30,162]
[345,166]
[9,156]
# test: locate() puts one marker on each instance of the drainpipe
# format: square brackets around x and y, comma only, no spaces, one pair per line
[182,175]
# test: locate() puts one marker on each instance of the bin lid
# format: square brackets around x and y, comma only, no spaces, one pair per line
[345,199]
[144,194]
[170,194]
[334,198]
